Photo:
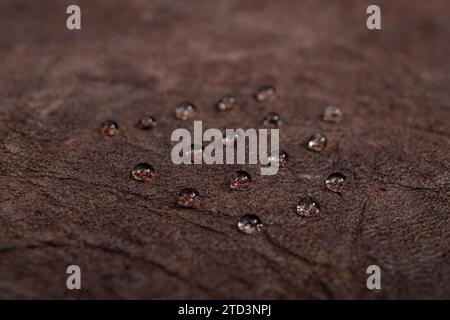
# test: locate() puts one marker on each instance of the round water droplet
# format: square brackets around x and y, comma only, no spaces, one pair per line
[143,172]
[307,207]
[265,93]
[185,111]
[227,103]
[189,198]
[272,120]
[109,128]
[241,180]
[335,182]
[332,114]
[317,142]
[146,123]
[282,158]
[230,138]
[195,152]
[250,224]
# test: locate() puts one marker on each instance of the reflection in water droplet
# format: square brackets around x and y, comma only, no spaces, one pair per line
[143,172]
[241,180]
[109,128]
[146,123]
[265,93]
[282,158]
[250,224]
[185,111]
[317,142]
[307,207]
[231,137]
[332,114]
[189,198]
[272,120]
[335,182]
[227,103]
[195,152]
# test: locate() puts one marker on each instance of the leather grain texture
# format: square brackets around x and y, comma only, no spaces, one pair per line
[65,192]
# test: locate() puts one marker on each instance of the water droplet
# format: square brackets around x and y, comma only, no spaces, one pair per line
[332,114]
[189,198]
[185,111]
[317,142]
[227,103]
[241,180]
[195,152]
[307,207]
[109,128]
[230,138]
[282,158]
[265,93]
[146,123]
[250,224]
[335,182]
[143,172]
[272,120]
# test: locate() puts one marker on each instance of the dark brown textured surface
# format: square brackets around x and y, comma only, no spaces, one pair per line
[65,192]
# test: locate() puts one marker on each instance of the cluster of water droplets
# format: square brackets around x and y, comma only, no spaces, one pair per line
[240,180]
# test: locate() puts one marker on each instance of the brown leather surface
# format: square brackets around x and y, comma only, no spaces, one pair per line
[65,193]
